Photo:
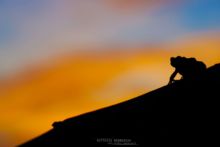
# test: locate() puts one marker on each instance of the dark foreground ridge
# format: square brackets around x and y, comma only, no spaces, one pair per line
[186,112]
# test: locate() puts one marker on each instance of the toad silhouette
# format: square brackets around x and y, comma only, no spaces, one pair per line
[188,68]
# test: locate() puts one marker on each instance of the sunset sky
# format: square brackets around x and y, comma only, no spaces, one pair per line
[62,58]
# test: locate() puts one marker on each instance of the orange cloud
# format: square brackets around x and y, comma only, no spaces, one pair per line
[135,4]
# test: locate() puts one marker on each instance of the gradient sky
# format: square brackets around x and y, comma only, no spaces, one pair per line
[61,58]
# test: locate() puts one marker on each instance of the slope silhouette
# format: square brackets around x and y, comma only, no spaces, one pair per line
[183,113]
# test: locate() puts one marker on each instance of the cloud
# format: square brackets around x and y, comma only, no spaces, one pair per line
[135,4]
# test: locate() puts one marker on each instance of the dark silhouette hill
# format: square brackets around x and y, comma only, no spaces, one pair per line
[182,113]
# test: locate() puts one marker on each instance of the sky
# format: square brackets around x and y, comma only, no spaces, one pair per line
[62,58]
